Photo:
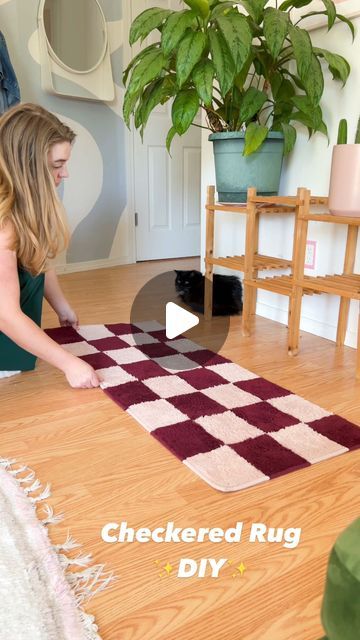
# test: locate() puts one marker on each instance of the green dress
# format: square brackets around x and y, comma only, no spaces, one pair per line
[13,357]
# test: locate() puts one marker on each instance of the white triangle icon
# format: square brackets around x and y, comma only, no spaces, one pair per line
[178,320]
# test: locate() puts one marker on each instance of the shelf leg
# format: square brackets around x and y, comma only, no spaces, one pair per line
[294,320]
[349,262]
[246,314]
[209,252]
[358,352]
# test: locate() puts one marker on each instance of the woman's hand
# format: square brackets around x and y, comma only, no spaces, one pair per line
[68,318]
[56,299]
[80,374]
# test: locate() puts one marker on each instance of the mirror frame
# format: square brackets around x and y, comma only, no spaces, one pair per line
[96,83]
[102,55]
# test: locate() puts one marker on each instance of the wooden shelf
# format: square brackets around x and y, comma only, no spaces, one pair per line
[260,262]
[295,285]
[328,217]
[343,285]
[233,208]
[278,284]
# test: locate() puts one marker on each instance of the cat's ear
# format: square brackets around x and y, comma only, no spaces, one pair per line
[177,272]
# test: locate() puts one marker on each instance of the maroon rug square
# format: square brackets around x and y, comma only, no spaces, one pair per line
[131,393]
[159,335]
[208,358]
[107,344]
[99,360]
[202,378]
[265,416]
[144,369]
[262,388]
[157,350]
[64,335]
[123,328]
[338,429]
[186,439]
[196,405]
[269,456]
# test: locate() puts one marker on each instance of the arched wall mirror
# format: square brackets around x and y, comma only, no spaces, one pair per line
[75,57]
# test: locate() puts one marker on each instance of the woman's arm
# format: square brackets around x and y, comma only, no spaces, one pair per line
[57,300]
[24,332]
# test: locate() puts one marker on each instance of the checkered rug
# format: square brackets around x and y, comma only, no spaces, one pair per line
[228,425]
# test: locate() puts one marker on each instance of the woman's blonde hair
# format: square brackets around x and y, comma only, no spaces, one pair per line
[28,196]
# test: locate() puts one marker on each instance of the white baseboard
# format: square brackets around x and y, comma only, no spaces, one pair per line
[73,267]
[322,329]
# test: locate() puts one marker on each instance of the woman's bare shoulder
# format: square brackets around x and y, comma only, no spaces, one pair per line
[7,236]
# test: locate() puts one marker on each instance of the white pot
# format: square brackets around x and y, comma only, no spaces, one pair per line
[344,193]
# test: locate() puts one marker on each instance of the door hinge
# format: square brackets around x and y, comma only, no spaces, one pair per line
[136,219]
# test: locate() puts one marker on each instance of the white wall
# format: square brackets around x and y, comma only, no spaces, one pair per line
[308,166]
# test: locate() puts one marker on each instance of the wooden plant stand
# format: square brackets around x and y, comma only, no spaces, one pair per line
[251,262]
[296,284]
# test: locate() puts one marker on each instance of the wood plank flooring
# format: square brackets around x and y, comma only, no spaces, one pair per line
[104,467]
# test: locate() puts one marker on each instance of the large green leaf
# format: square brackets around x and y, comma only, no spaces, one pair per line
[255,8]
[301,43]
[174,29]
[137,58]
[289,137]
[251,103]
[147,70]
[203,76]
[170,137]
[130,101]
[306,106]
[222,9]
[338,66]
[145,22]
[154,94]
[184,110]
[243,75]
[254,137]
[276,80]
[286,90]
[275,29]
[238,36]
[331,12]
[201,7]
[189,53]
[222,60]
[297,4]
[314,81]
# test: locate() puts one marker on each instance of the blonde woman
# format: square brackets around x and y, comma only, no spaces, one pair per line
[34,150]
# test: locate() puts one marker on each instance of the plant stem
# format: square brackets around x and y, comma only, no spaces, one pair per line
[200,126]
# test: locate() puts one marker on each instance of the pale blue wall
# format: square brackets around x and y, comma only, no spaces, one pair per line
[100,127]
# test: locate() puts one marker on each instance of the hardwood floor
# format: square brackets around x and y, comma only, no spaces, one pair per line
[104,467]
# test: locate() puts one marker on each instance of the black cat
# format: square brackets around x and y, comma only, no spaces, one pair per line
[227,292]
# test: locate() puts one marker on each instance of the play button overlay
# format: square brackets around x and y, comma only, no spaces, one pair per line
[178,320]
[169,332]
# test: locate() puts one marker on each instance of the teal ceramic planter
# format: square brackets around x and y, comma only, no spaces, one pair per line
[235,172]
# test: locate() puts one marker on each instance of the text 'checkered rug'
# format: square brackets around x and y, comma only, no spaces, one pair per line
[228,425]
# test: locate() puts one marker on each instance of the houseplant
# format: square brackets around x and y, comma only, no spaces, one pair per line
[344,191]
[252,73]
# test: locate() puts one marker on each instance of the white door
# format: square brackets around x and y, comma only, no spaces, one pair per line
[167,189]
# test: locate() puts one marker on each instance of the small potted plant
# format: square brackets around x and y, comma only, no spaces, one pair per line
[249,66]
[344,192]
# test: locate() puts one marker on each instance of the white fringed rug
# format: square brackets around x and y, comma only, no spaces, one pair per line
[42,589]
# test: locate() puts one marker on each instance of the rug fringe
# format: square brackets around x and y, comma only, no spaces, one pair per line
[84,584]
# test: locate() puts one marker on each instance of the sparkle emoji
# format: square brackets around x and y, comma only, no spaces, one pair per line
[240,570]
[168,568]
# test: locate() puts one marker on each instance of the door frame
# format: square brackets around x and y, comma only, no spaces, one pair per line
[129,138]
